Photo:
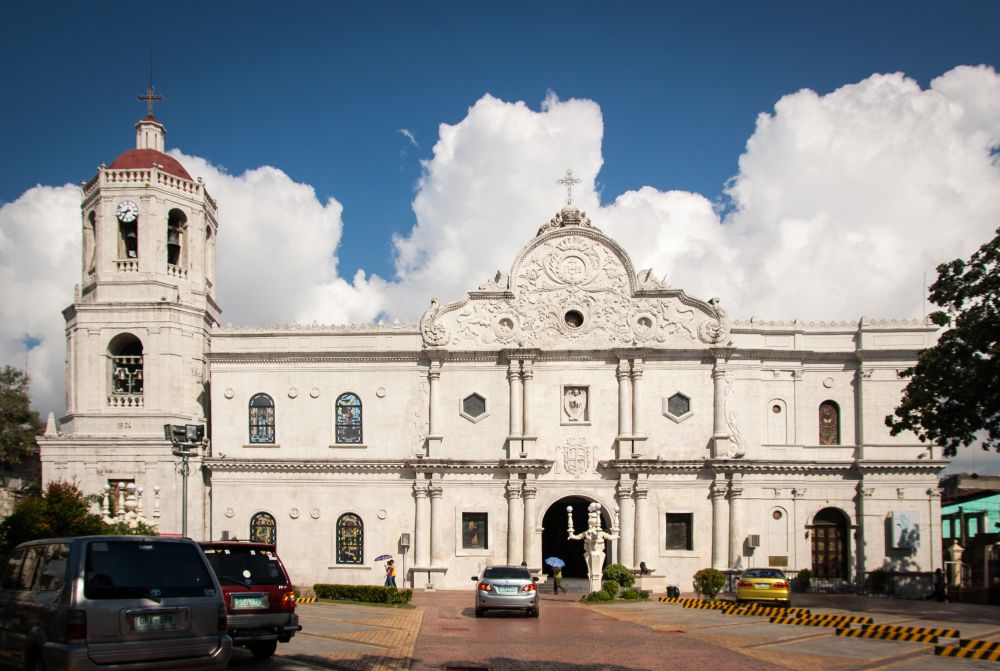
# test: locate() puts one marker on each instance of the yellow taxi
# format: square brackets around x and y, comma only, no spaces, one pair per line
[764,584]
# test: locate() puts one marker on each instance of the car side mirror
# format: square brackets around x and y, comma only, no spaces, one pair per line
[534,578]
[475,578]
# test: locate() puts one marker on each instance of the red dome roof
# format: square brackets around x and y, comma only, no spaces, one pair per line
[140,159]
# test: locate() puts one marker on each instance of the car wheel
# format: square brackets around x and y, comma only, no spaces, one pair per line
[533,612]
[263,649]
[479,611]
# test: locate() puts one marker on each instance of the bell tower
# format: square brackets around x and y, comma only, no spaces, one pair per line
[139,329]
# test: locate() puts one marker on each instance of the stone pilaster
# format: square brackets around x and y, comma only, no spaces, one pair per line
[439,553]
[515,522]
[720,525]
[532,548]
[421,526]
[735,532]
[626,513]
[643,544]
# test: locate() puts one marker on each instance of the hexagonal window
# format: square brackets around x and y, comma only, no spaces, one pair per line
[677,407]
[473,407]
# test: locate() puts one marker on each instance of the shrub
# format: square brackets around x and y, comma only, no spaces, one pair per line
[877,580]
[620,574]
[611,587]
[363,593]
[709,581]
[643,594]
[804,578]
[596,596]
[632,594]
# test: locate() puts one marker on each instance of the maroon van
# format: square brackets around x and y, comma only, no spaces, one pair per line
[258,594]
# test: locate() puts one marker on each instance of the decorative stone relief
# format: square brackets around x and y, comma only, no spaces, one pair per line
[434,334]
[380,392]
[576,457]
[294,513]
[575,405]
[828,382]
[230,512]
[314,513]
[737,446]
[229,392]
[314,392]
[293,393]
[498,282]
[416,415]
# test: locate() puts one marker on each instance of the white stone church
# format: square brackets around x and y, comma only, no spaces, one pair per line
[572,378]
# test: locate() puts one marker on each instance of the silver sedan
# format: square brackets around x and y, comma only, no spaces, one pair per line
[506,588]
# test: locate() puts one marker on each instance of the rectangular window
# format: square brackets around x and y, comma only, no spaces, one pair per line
[475,531]
[680,531]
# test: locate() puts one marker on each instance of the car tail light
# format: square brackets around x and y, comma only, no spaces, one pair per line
[485,587]
[744,583]
[288,601]
[223,622]
[76,625]
[529,588]
[781,585]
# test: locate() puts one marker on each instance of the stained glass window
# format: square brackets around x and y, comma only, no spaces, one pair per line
[261,419]
[829,423]
[263,529]
[350,539]
[475,531]
[348,419]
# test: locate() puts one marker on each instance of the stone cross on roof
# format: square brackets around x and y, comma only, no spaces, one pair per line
[569,180]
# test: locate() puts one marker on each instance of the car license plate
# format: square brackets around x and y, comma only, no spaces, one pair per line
[762,585]
[157,622]
[242,601]
[506,590]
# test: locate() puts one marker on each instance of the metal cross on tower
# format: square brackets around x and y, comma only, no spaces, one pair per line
[569,180]
[149,98]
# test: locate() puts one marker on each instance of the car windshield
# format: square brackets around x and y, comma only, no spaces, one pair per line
[763,573]
[506,573]
[150,569]
[245,565]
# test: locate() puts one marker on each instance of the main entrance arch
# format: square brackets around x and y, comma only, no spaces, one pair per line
[555,543]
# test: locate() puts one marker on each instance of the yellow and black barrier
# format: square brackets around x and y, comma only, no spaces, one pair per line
[931,631]
[823,620]
[888,635]
[971,649]
[709,605]
[305,599]
[679,599]
[769,611]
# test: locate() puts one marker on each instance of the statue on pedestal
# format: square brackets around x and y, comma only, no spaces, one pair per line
[593,542]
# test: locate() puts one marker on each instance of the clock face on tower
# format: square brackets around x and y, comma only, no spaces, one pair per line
[127,211]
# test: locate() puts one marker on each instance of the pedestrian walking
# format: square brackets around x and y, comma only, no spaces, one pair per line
[557,580]
[390,574]
[939,593]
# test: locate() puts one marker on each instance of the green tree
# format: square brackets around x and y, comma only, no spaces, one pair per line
[19,424]
[953,397]
[60,510]
[709,581]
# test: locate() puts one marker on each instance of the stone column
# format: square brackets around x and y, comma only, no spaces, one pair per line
[433,414]
[735,532]
[636,386]
[438,554]
[860,379]
[641,543]
[720,525]
[532,550]
[421,527]
[515,519]
[797,495]
[514,377]
[720,432]
[934,515]
[627,523]
[527,374]
[624,398]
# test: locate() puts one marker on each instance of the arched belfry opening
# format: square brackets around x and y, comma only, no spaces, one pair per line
[555,543]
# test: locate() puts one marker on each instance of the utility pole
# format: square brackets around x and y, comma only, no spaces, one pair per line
[185,439]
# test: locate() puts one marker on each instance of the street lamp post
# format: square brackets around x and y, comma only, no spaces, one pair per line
[185,439]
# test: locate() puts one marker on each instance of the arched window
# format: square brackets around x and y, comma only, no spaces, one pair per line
[350,539]
[348,414]
[90,243]
[176,225]
[829,423]
[125,352]
[261,419]
[263,529]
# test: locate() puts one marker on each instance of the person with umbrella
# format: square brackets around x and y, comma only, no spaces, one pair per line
[556,565]
[390,570]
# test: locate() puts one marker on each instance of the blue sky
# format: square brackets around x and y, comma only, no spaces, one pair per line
[800,160]
[320,90]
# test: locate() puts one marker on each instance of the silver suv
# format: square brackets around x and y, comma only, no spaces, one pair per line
[124,602]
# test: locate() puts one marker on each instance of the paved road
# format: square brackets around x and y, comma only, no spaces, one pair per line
[565,636]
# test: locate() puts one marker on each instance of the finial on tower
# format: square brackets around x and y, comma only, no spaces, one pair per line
[569,180]
[150,97]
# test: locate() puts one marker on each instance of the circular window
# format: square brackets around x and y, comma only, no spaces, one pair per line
[574,319]
[777,515]
[776,409]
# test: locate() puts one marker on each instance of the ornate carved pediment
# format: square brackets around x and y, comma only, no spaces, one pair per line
[573,287]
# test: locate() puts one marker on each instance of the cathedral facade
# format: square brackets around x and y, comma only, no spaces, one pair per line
[472,437]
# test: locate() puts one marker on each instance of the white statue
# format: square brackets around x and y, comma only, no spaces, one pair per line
[593,542]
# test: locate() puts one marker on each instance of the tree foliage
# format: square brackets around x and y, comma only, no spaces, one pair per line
[19,424]
[953,397]
[60,510]
[709,581]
